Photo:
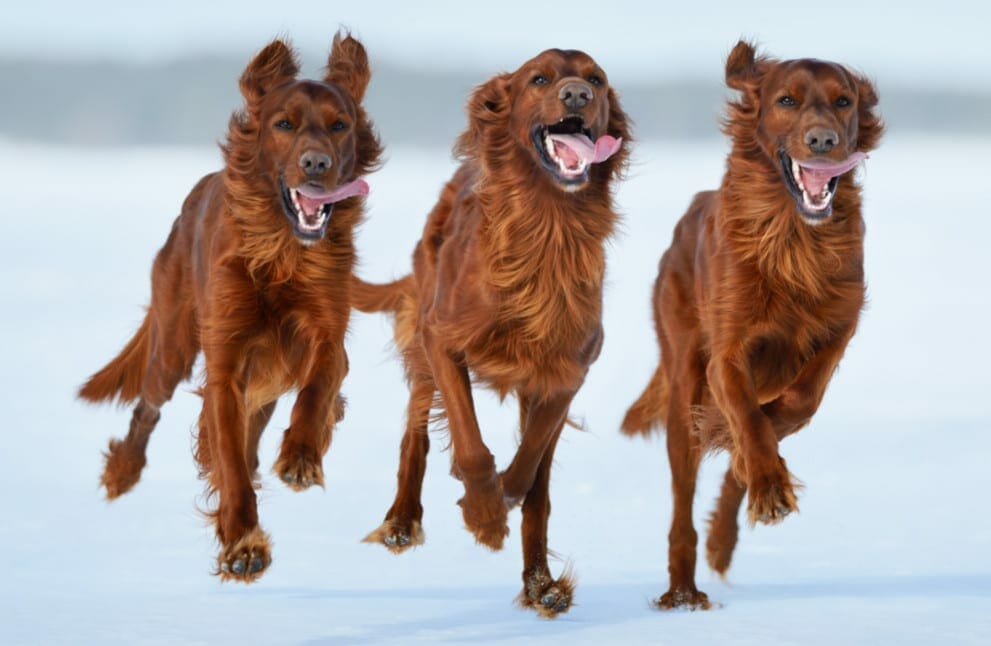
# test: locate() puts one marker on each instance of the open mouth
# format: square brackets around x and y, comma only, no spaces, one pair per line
[568,149]
[813,183]
[309,206]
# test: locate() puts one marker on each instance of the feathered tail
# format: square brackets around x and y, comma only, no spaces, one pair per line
[651,409]
[369,297]
[121,379]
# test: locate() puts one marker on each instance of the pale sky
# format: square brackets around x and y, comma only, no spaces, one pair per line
[941,43]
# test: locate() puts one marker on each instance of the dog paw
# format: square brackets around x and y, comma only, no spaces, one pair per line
[548,597]
[513,498]
[121,470]
[687,598]
[485,515]
[719,552]
[299,469]
[246,559]
[397,535]
[771,498]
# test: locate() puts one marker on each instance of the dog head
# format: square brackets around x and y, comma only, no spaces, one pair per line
[556,113]
[301,146]
[813,120]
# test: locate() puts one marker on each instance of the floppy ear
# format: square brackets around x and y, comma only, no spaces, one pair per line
[869,125]
[743,67]
[271,67]
[490,101]
[619,126]
[489,104]
[347,66]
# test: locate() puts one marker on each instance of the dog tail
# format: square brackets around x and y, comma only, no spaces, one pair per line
[121,379]
[390,297]
[651,409]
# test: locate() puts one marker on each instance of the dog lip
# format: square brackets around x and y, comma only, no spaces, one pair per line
[811,215]
[289,209]
[569,124]
[564,125]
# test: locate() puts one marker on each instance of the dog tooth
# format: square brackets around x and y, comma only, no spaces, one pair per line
[549,145]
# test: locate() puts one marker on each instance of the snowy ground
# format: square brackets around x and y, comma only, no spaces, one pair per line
[892,544]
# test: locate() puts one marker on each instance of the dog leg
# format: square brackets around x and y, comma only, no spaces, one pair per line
[245,550]
[401,529]
[300,461]
[256,425]
[125,459]
[788,413]
[541,592]
[756,459]
[797,403]
[723,526]
[171,357]
[684,455]
[540,429]
[483,506]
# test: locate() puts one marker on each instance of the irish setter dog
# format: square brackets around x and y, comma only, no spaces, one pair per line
[507,288]
[758,296]
[256,274]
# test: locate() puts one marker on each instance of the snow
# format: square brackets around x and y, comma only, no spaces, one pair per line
[891,545]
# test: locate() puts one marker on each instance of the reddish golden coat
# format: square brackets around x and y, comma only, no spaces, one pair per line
[268,311]
[507,288]
[756,300]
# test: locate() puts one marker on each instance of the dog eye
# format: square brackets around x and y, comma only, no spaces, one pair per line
[283,124]
[843,102]
[787,102]
[539,79]
[595,79]
[338,126]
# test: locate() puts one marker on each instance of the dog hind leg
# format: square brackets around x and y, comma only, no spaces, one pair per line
[402,527]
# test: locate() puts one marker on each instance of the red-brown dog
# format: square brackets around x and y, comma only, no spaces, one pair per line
[507,287]
[758,295]
[256,274]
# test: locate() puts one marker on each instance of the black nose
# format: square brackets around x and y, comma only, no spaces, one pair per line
[576,95]
[314,163]
[821,140]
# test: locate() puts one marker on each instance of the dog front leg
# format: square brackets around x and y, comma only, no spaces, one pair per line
[797,403]
[245,548]
[318,407]
[483,505]
[541,423]
[549,597]
[771,492]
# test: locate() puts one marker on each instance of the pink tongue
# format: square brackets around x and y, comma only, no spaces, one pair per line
[816,173]
[312,198]
[571,148]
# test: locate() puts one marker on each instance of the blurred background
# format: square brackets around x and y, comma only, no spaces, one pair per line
[115,73]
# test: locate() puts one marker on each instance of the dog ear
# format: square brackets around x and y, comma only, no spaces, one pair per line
[490,101]
[743,67]
[271,67]
[347,66]
[869,125]
[619,126]
[489,104]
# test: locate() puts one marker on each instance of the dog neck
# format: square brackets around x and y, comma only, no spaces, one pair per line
[762,224]
[545,251]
